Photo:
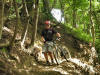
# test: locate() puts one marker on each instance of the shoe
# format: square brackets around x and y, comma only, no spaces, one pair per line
[48,63]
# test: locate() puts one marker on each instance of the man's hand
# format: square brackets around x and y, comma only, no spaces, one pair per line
[43,40]
[58,34]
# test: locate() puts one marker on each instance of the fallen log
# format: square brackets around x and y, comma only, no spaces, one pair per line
[8,30]
[84,66]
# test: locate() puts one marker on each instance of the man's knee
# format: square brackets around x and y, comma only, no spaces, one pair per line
[45,53]
[49,53]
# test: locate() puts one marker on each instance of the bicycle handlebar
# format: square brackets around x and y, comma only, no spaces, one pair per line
[57,39]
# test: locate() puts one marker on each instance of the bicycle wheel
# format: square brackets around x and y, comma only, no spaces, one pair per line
[55,54]
[65,53]
[55,57]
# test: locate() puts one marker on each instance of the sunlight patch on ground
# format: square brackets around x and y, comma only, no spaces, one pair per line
[60,70]
[57,69]
[34,64]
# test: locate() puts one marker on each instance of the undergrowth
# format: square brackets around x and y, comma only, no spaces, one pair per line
[80,34]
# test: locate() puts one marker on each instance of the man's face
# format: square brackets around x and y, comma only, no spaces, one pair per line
[90,44]
[47,26]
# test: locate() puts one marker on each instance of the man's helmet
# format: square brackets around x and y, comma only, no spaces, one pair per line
[47,22]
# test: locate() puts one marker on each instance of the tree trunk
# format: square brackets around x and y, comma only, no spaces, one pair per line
[46,5]
[24,33]
[47,9]
[29,4]
[74,14]
[54,3]
[2,18]
[62,9]
[91,22]
[36,12]
[17,24]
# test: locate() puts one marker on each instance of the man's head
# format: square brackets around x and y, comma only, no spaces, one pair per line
[90,44]
[47,24]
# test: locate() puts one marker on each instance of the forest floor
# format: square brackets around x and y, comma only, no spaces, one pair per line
[21,63]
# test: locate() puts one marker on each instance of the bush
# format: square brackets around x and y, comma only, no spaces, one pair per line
[79,33]
[98,47]
[4,50]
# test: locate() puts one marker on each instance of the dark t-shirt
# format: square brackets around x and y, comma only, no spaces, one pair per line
[48,34]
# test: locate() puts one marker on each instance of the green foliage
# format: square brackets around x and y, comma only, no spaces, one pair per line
[18,1]
[83,19]
[98,47]
[4,50]
[11,13]
[79,33]
[11,16]
[81,6]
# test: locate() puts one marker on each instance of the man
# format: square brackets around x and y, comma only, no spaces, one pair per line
[47,38]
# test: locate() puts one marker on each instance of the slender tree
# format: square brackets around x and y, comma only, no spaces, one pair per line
[62,9]
[17,23]
[74,14]
[54,3]
[2,18]
[24,33]
[36,12]
[91,22]
[47,9]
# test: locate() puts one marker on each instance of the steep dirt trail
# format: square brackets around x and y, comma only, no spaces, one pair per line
[20,63]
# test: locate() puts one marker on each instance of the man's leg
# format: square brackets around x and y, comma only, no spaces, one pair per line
[51,56]
[46,56]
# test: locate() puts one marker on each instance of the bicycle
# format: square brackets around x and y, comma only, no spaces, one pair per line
[60,51]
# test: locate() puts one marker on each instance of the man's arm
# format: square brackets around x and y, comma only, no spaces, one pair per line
[42,38]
